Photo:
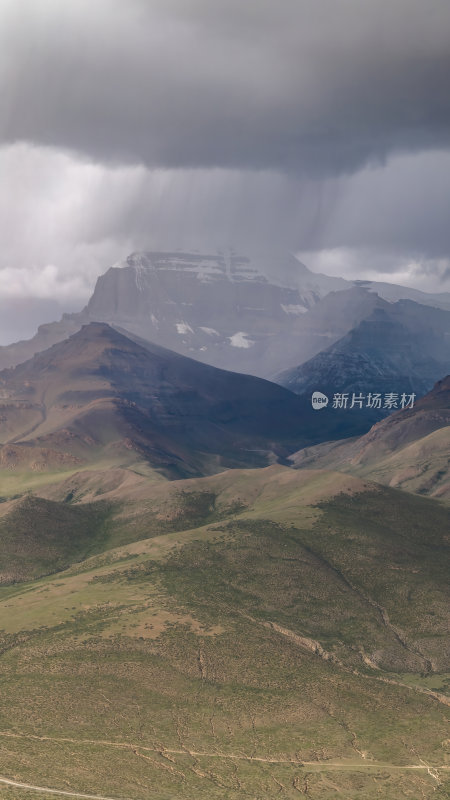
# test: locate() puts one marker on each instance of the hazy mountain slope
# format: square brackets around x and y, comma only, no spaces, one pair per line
[430,413]
[393,292]
[277,631]
[99,394]
[256,316]
[46,335]
[294,273]
[215,308]
[218,309]
[398,348]
[409,449]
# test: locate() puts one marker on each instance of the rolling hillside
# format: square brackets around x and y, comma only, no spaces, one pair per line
[251,633]
[239,633]
[410,449]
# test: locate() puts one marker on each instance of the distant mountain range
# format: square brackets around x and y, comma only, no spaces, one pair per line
[222,310]
[400,347]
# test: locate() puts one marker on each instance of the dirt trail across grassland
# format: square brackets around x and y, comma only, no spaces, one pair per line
[31,787]
[165,751]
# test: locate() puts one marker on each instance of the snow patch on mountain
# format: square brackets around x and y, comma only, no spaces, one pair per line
[240,339]
[209,331]
[183,328]
[140,275]
[294,309]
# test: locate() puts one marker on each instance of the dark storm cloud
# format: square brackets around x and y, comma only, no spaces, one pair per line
[316,126]
[317,86]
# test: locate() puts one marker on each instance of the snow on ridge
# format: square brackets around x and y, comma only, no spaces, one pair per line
[139,277]
[240,339]
[183,328]
[206,268]
[210,331]
[294,309]
[247,274]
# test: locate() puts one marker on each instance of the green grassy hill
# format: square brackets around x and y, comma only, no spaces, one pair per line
[38,536]
[254,634]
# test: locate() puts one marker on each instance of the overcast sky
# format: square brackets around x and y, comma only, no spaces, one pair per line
[315,126]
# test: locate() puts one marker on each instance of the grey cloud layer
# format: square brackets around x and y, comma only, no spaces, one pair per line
[63,221]
[313,86]
[320,126]
[403,207]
